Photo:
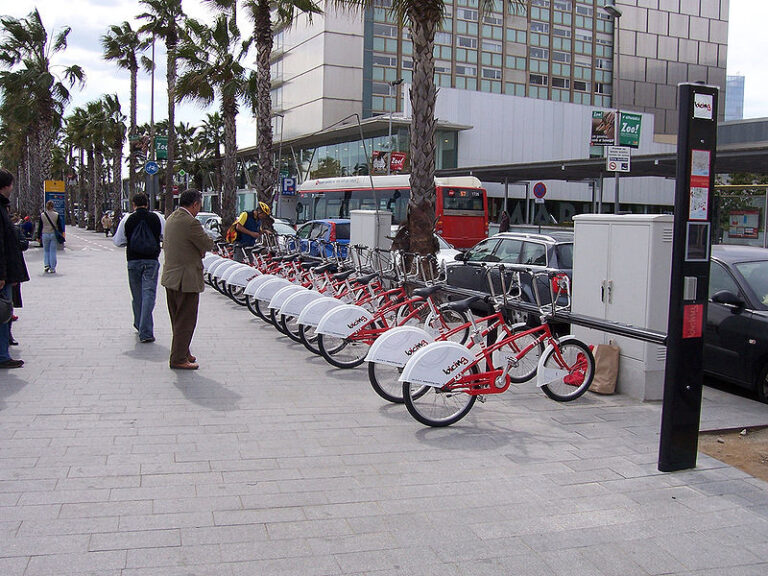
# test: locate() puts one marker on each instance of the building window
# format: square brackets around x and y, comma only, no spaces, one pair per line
[584,10]
[491,73]
[385,30]
[581,86]
[603,89]
[561,57]
[491,46]
[443,38]
[541,27]
[466,70]
[538,79]
[465,14]
[562,5]
[561,83]
[466,42]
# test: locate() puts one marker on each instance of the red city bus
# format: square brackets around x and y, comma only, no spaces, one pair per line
[461,206]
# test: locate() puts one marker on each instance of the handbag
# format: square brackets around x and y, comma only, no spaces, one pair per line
[59,236]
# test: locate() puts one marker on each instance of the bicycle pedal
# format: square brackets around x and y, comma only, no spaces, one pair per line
[481,398]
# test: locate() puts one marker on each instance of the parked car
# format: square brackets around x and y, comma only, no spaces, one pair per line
[212,227]
[535,251]
[331,230]
[735,338]
[205,216]
[446,252]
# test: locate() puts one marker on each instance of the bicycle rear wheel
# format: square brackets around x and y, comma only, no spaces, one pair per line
[308,337]
[342,352]
[290,327]
[253,306]
[569,368]
[237,293]
[385,382]
[437,407]
[445,321]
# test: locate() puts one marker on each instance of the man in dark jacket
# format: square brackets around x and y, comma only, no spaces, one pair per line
[12,267]
[141,233]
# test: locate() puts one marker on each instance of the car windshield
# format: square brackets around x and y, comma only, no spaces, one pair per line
[756,275]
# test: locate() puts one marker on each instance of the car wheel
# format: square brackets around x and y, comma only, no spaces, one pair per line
[762,385]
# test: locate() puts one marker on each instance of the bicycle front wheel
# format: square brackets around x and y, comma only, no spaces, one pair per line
[569,368]
[342,352]
[253,306]
[437,407]
[308,337]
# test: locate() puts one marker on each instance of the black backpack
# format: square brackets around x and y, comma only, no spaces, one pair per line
[143,242]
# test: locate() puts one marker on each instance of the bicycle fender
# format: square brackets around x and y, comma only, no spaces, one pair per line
[343,320]
[281,295]
[218,264]
[314,311]
[544,375]
[437,364]
[396,346]
[242,276]
[210,259]
[296,302]
[253,285]
[223,267]
[227,274]
[270,288]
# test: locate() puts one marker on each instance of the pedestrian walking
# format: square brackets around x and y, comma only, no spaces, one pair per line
[50,237]
[141,231]
[504,222]
[184,243]
[13,269]
[106,224]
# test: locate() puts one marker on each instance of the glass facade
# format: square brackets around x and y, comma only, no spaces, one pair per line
[558,50]
[734,98]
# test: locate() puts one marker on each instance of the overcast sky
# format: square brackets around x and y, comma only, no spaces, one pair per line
[748,44]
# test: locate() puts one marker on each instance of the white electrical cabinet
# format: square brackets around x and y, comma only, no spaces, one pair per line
[370,228]
[621,272]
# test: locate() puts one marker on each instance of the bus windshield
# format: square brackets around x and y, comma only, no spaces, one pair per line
[463,200]
[338,204]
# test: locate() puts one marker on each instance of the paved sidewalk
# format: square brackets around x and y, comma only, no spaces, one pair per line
[268,462]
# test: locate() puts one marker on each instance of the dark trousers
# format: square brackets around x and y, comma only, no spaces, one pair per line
[182,308]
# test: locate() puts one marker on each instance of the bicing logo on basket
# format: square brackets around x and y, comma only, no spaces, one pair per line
[463,361]
[421,344]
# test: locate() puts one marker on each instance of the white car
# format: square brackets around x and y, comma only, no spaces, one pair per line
[446,253]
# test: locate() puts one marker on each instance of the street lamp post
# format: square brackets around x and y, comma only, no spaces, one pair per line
[615,12]
[393,84]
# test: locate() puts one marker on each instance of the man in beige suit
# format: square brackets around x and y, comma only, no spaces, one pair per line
[184,243]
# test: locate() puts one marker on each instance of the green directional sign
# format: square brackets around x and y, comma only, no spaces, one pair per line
[161,148]
[629,129]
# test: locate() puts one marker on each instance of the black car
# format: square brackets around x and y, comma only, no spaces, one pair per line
[736,336]
[535,251]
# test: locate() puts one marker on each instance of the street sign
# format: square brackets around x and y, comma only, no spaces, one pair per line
[539,189]
[289,187]
[617,158]
[161,148]
[629,129]
[151,168]
[182,173]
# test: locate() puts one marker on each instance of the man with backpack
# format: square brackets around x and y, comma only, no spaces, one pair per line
[141,232]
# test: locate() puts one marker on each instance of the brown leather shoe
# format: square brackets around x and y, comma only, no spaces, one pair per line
[185,366]
[16,363]
[191,358]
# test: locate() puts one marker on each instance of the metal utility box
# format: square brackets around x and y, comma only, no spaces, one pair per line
[621,272]
[370,228]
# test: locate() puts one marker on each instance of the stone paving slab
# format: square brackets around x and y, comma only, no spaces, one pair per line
[268,461]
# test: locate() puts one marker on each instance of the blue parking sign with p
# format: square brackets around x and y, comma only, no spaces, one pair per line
[289,187]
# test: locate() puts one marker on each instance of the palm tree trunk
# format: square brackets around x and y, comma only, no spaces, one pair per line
[89,225]
[229,199]
[265,179]
[171,78]
[131,156]
[421,207]
[31,203]
[117,179]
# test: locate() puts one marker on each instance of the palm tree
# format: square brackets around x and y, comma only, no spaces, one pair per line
[14,148]
[78,137]
[162,21]
[423,18]
[114,132]
[211,136]
[97,128]
[262,12]
[211,57]
[123,45]
[26,51]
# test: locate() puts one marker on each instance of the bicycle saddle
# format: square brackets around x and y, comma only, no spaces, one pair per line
[366,279]
[343,275]
[327,266]
[461,305]
[427,290]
